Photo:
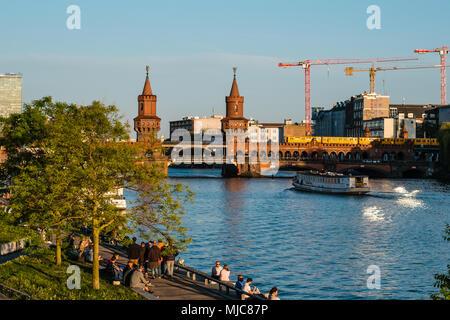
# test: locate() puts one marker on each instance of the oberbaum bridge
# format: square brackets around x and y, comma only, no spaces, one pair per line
[237,155]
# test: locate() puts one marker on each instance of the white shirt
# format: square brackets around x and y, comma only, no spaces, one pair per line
[246,289]
[224,275]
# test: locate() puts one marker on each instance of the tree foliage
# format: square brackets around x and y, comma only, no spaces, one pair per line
[443,280]
[65,163]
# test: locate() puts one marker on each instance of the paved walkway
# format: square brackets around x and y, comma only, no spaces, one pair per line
[178,288]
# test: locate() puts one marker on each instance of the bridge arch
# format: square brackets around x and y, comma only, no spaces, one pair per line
[393,156]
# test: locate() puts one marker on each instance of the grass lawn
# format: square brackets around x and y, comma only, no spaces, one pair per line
[38,276]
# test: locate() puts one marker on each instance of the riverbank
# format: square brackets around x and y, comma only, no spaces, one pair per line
[37,276]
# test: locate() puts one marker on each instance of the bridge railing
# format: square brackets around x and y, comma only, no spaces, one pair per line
[197,275]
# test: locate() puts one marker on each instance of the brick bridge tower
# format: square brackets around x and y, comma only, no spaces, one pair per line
[235,122]
[147,123]
[234,118]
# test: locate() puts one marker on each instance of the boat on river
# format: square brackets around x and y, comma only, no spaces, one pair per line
[331,182]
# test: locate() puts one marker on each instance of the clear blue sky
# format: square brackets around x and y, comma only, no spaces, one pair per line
[191,47]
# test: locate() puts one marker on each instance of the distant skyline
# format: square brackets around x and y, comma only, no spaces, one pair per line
[191,48]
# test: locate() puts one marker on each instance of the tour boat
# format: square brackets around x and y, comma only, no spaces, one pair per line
[330,182]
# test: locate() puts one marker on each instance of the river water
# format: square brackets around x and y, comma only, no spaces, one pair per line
[317,246]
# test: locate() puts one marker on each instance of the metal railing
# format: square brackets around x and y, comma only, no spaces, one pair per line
[10,292]
[197,275]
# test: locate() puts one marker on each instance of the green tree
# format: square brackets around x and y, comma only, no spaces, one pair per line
[443,280]
[65,172]
[159,209]
[42,182]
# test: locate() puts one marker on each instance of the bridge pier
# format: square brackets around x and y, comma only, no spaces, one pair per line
[245,169]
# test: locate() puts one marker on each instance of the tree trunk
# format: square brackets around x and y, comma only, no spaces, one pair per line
[95,262]
[58,248]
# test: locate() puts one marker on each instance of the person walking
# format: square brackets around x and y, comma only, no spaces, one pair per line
[142,250]
[169,253]
[133,252]
[154,258]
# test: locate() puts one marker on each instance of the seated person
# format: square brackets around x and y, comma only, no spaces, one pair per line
[248,289]
[225,274]
[239,285]
[138,280]
[273,294]
[127,271]
[112,270]
[215,271]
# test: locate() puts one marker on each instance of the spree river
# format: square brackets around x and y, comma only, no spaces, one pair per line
[317,246]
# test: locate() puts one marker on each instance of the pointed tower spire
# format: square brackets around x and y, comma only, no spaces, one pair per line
[234,118]
[147,89]
[147,123]
[234,93]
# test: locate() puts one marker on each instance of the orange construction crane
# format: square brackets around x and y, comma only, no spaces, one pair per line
[443,53]
[349,72]
[306,65]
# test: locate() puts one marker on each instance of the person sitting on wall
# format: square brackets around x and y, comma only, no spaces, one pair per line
[273,294]
[138,281]
[248,289]
[239,285]
[225,274]
[215,271]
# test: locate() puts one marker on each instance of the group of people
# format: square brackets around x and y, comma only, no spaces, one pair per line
[155,257]
[132,275]
[84,248]
[223,274]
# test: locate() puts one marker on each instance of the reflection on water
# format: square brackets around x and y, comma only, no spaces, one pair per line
[315,246]
[373,214]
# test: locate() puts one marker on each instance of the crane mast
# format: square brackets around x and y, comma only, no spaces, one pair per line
[443,51]
[306,65]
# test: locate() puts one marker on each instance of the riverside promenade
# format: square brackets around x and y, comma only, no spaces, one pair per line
[181,287]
